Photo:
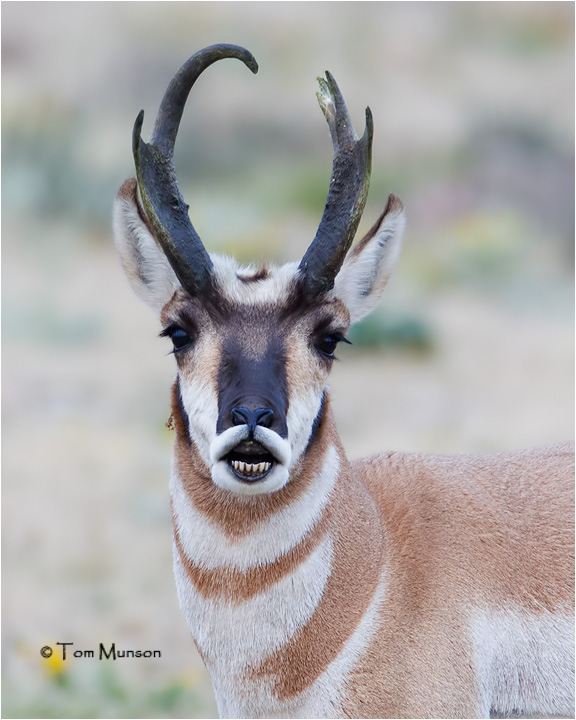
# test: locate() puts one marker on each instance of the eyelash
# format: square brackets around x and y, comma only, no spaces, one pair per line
[332,338]
[176,333]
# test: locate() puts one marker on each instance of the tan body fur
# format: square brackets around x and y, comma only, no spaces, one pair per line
[469,536]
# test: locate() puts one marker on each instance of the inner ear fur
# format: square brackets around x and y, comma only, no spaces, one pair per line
[368,267]
[144,263]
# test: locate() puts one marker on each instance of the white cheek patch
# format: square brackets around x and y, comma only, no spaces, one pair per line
[201,405]
[302,411]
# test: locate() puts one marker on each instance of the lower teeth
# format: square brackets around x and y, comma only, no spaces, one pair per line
[250,468]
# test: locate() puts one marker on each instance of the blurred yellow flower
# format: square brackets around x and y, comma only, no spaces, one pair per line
[54,665]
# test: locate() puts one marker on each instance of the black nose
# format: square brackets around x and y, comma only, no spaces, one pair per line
[252,418]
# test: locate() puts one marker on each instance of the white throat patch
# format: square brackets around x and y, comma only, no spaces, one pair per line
[207,546]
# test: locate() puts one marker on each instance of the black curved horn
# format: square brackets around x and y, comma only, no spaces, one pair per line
[163,205]
[347,194]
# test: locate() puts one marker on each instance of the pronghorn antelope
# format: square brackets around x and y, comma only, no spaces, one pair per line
[395,586]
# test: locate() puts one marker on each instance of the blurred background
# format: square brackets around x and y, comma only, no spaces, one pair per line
[472,349]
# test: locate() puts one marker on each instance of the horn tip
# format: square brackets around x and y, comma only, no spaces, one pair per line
[327,85]
[251,63]
[236,51]
[137,131]
[369,131]
[239,52]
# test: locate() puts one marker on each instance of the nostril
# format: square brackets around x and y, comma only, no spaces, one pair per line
[244,416]
[240,416]
[264,417]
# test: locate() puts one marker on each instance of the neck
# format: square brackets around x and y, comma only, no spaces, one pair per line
[275,567]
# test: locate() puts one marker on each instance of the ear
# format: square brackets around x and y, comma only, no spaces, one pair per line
[146,266]
[368,267]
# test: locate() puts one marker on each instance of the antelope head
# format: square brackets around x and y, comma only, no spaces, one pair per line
[253,345]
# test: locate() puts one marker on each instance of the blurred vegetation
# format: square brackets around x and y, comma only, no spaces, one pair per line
[386,330]
[104,692]
[49,174]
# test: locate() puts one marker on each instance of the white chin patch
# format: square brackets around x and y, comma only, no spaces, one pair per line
[226,478]
[236,470]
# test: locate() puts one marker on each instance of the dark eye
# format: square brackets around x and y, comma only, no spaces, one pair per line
[180,338]
[327,344]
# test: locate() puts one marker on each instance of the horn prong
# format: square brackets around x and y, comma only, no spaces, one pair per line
[347,194]
[137,132]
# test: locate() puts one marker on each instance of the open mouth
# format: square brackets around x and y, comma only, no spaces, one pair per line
[250,461]
[247,464]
